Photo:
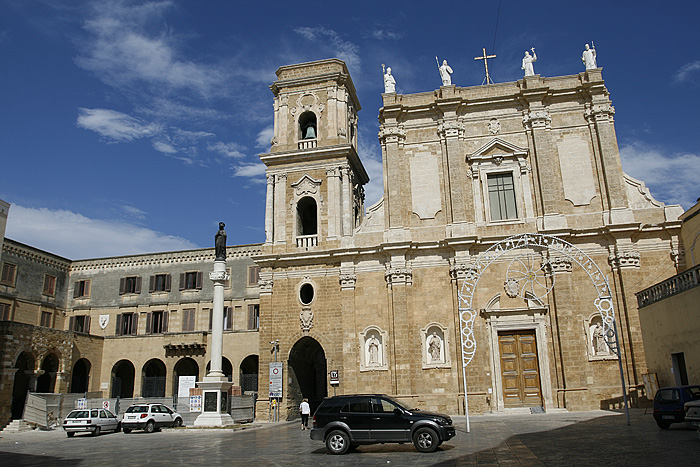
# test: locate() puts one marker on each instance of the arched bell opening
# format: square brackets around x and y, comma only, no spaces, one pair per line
[307,126]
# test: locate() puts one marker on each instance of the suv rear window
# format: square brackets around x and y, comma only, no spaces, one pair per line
[693,393]
[667,396]
[356,406]
[137,409]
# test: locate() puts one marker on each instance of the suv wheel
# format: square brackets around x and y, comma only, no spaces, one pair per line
[177,422]
[338,442]
[150,426]
[663,425]
[425,440]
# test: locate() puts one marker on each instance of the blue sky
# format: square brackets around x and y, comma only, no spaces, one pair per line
[135,126]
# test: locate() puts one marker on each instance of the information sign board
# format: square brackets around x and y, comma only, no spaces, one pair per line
[335,378]
[276,380]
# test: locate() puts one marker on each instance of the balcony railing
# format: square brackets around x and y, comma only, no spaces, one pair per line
[679,283]
[307,144]
[307,241]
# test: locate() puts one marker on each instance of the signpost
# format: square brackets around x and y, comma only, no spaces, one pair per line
[275,388]
[335,379]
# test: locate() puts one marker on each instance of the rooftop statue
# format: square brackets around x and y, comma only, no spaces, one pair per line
[528,61]
[389,81]
[445,72]
[589,56]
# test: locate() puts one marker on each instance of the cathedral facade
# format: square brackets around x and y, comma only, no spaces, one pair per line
[392,298]
[375,295]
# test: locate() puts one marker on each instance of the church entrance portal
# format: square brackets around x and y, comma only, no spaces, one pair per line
[307,373]
[520,373]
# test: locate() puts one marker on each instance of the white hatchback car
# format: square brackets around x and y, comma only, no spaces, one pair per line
[150,417]
[94,421]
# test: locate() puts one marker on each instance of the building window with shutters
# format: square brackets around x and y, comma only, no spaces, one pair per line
[188,315]
[191,280]
[253,317]
[253,275]
[157,322]
[127,324]
[80,324]
[81,289]
[9,274]
[130,285]
[46,319]
[5,310]
[159,283]
[49,285]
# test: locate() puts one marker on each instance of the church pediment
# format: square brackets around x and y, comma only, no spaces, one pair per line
[497,147]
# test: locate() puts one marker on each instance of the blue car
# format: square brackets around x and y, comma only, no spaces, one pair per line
[669,404]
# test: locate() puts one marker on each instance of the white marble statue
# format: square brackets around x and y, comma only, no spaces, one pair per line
[373,352]
[599,344]
[389,81]
[445,72]
[434,345]
[588,57]
[528,60]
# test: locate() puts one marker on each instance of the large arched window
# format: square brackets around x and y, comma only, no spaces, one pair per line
[307,216]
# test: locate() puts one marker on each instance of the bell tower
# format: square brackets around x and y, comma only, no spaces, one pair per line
[315,179]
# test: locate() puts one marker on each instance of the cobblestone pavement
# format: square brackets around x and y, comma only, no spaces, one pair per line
[557,439]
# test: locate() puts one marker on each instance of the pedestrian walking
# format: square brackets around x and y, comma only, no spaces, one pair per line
[305,411]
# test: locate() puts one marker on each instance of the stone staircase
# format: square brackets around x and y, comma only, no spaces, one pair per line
[16,426]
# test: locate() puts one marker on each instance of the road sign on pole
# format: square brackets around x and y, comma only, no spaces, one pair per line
[276,380]
[335,378]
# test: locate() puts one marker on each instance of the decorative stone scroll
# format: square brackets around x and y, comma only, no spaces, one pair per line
[306,319]
[598,112]
[265,286]
[460,270]
[560,264]
[450,129]
[392,134]
[396,276]
[347,281]
[625,259]
[536,119]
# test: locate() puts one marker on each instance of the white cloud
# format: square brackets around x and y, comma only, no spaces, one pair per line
[672,178]
[344,50]
[264,138]
[685,71]
[227,149]
[121,51]
[249,170]
[372,160]
[114,125]
[164,147]
[75,236]
[381,34]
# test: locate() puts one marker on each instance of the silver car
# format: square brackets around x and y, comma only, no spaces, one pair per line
[94,421]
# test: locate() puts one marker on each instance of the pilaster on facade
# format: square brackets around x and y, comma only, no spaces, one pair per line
[450,129]
[560,264]
[265,282]
[347,281]
[461,270]
[604,112]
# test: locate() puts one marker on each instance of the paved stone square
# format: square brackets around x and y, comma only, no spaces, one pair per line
[559,439]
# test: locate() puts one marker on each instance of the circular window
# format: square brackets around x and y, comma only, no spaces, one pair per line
[306,294]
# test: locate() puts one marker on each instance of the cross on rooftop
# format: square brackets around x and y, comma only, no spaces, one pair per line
[484,57]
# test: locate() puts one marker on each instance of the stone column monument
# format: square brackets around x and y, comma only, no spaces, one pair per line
[215,387]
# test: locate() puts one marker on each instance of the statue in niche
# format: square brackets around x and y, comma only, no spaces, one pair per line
[389,81]
[589,57]
[445,72]
[434,346]
[598,340]
[220,242]
[373,352]
[528,60]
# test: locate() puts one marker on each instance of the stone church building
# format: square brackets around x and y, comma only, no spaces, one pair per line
[375,292]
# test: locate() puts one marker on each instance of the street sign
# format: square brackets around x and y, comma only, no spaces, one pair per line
[276,380]
[105,405]
[335,378]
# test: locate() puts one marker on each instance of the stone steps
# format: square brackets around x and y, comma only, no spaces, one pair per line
[17,426]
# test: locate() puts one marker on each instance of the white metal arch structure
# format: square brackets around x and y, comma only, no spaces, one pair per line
[467,314]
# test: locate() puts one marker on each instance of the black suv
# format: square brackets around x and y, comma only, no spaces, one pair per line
[344,422]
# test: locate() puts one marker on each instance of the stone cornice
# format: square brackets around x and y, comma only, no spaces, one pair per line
[34,255]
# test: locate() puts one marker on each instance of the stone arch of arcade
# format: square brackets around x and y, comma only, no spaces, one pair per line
[186,366]
[248,374]
[153,377]
[307,372]
[46,382]
[123,373]
[526,280]
[22,383]
[80,376]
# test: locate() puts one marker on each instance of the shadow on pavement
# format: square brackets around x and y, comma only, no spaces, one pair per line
[21,460]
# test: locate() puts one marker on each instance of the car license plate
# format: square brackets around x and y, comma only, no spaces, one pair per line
[667,417]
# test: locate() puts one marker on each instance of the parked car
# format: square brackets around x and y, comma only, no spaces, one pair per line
[669,404]
[150,417]
[344,422]
[94,421]
[692,414]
